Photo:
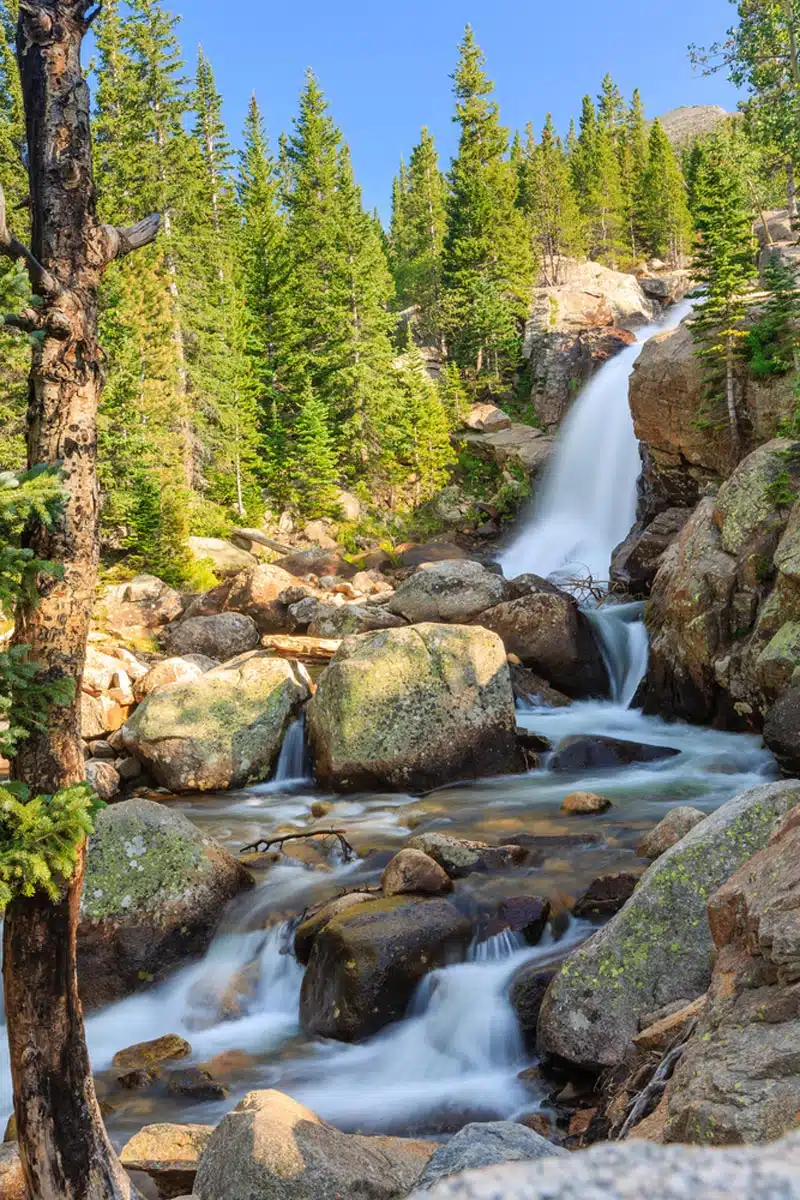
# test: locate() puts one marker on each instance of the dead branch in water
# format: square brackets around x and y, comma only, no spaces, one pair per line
[264,844]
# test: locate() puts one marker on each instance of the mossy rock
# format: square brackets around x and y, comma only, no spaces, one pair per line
[746,505]
[154,892]
[658,949]
[409,709]
[222,730]
[777,662]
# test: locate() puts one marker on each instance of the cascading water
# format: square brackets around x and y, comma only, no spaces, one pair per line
[587,505]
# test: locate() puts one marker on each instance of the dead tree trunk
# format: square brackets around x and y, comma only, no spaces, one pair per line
[65,1152]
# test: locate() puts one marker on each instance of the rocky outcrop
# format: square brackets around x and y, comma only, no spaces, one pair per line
[726,600]
[454,592]
[575,327]
[658,949]
[154,893]
[667,394]
[549,633]
[222,730]
[271,1146]
[484,1145]
[517,445]
[409,709]
[366,963]
[635,563]
[739,1078]
[636,1170]
[691,121]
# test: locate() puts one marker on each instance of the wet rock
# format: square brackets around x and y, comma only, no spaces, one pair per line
[527,915]
[484,1145]
[460,857]
[739,1077]
[169,1154]
[222,730]
[103,778]
[256,593]
[315,920]
[584,803]
[674,826]
[272,1146]
[412,872]
[606,895]
[658,948]
[526,996]
[782,731]
[366,963]
[195,1084]
[530,688]
[585,752]
[139,1080]
[410,709]
[550,635]
[225,558]
[453,592]
[637,1170]
[144,1056]
[12,1181]
[154,893]
[635,563]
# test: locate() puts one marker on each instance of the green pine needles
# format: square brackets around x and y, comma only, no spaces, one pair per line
[41,837]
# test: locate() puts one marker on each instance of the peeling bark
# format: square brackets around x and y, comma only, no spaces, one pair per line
[65,1152]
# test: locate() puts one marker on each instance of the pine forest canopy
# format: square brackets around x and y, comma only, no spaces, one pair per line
[259,354]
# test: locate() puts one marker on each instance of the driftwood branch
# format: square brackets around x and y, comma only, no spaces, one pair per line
[261,539]
[264,844]
[42,282]
[655,1089]
[121,242]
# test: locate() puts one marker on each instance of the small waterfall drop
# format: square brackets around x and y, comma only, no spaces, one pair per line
[294,761]
[587,506]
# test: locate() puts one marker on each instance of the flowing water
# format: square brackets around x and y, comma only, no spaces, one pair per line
[458,1054]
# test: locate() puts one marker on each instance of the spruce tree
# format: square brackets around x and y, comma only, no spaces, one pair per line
[312,463]
[633,161]
[417,238]
[723,266]
[666,221]
[487,267]
[421,434]
[597,181]
[547,197]
[773,344]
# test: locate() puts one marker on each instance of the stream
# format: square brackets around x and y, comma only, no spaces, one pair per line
[458,1054]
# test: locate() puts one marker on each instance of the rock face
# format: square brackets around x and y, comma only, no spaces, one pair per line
[658,948]
[453,592]
[518,445]
[367,962]
[637,1170]
[548,632]
[574,328]
[154,894]
[635,563]
[408,709]
[271,1146]
[485,1145]
[725,603]
[666,394]
[739,1078]
[221,636]
[222,730]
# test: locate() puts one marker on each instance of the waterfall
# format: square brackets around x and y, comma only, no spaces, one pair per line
[587,506]
[587,503]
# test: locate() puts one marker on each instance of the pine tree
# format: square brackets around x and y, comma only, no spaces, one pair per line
[417,238]
[487,267]
[546,196]
[312,466]
[421,434]
[633,166]
[612,112]
[597,182]
[773,344]
[666,221]
[13,283]
[723,266]
[453,394]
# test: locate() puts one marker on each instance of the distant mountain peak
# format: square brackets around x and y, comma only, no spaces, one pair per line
[684,124]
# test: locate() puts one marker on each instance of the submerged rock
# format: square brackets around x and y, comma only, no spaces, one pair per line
[271,1146]
[453,592]
[154,893]
[484,1145]
[636,1170]
[410,709]
[366,963]
[586,752]
[658,948]
[222,730]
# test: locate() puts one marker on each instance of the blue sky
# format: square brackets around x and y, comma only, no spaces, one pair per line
[385,67]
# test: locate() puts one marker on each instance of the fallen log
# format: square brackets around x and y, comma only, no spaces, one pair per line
[261,539]
[305,649]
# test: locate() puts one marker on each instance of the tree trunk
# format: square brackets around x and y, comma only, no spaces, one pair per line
[730,395]
[791,192]
[64,1148]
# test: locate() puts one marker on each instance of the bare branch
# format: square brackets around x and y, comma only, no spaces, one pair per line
[121,242]
[20,322]
[42,281]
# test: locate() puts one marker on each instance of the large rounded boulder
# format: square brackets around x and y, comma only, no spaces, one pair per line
[410,709]
[154,893]
[221,636]
[454,592]
[222,730]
